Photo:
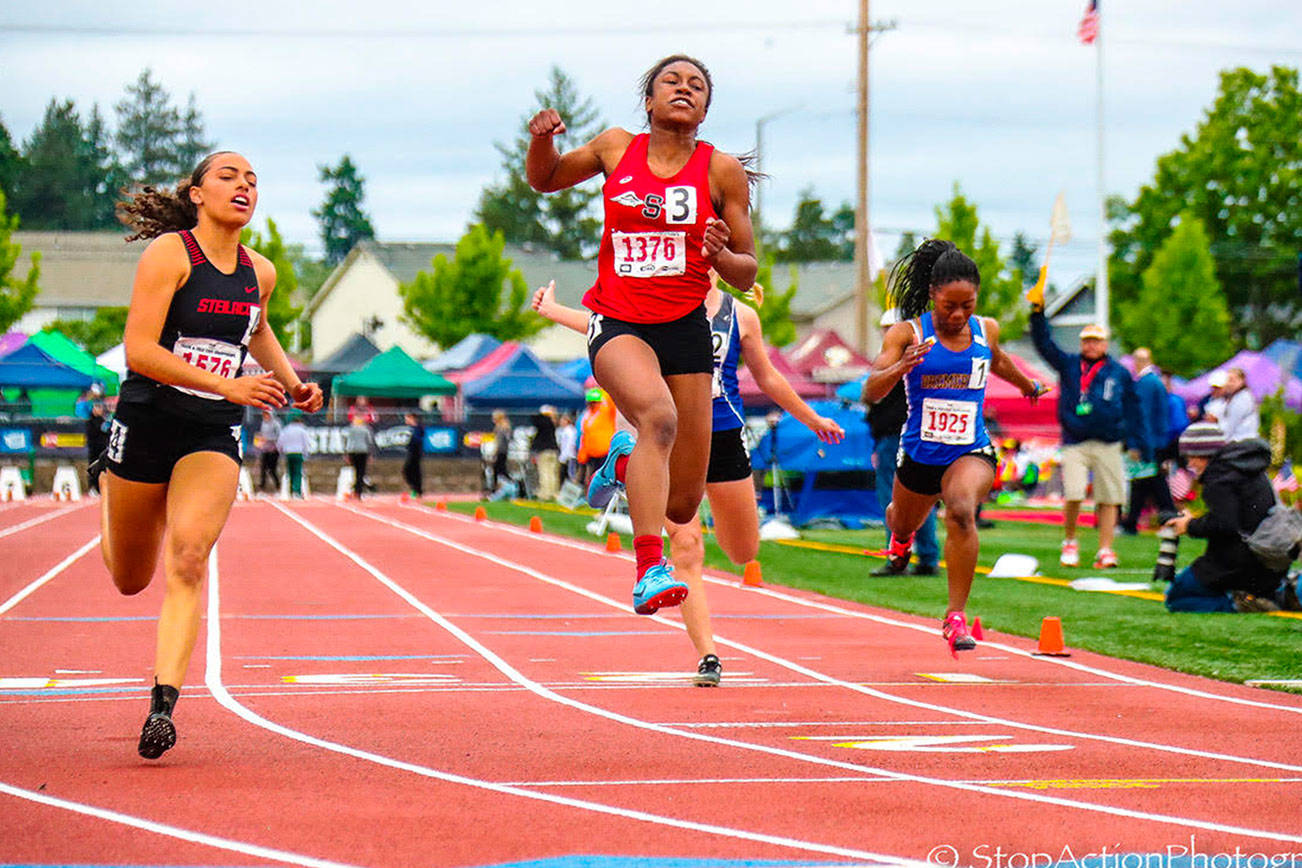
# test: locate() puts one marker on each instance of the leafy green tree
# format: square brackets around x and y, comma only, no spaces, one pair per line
[1180,297]
[158,145]
[814,236]
[775,312]
[341,219]
[282,314]
[1001,287]
[67,178]
[10,162]
[565,221]
[1239,173]
[16,296]
[96,335]
[477,291]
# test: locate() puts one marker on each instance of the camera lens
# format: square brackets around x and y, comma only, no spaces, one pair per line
[1168,544]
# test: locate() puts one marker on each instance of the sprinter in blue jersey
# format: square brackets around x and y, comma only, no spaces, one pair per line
[944,353]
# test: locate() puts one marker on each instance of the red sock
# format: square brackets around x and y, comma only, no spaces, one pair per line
[650,550]
[621,468]
[899,548]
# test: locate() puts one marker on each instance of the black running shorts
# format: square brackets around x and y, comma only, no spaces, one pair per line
[682,346]
[926,479]
[145,442]
[729,458]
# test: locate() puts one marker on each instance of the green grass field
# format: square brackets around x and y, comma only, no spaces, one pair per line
[1228,647]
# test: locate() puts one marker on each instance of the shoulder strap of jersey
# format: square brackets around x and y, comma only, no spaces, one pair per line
[978,330]
[244,258]
[918,329]
[192,247]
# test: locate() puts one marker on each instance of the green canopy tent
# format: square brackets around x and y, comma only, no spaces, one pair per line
[62,402]
[392,374]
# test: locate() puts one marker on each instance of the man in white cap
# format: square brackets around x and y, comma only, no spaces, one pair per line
[1098,411]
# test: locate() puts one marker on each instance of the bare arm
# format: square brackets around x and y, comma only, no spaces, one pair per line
[773,384]
[549,170]
[730,242]
[163,267]
[265,347]
[545,303]
[900,354]
[1002,366]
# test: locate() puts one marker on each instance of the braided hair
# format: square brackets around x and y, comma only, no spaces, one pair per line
[933,263]
[153,212]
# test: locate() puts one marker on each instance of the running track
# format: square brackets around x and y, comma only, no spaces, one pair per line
[390,685]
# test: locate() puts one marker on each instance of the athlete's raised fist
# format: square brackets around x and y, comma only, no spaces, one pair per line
[717,234]
[263,391]
[307,397]
[544,298]
[546,123]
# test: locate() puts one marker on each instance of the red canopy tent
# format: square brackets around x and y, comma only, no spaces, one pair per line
[1014,415]
[752,395]
[825,357]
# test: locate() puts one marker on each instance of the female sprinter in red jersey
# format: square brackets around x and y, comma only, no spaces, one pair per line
[675,208]
[173,459]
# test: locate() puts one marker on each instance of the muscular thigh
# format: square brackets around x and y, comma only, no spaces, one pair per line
[736,518]
[691,453]
[627,368]
[132,517]
[199,499]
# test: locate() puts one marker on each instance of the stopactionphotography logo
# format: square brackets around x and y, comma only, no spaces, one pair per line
[1186,854]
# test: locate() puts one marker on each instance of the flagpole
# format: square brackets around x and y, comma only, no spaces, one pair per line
[1101,294]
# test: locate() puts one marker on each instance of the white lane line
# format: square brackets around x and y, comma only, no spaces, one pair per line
[593,549]
[33,522]
[516,676]
[50,574]
[823,677]
[212,679]
[170,831]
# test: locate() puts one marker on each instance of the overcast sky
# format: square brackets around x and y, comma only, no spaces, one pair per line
[998,96]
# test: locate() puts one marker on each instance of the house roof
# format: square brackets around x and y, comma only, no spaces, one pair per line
[80,269]
[355,352]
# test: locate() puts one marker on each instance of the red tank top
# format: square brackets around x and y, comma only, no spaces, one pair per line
[649,267]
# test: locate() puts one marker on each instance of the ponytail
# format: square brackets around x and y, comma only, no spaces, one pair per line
[933,263]
[153,212]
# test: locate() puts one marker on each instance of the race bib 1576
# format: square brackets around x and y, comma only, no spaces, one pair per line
[216,357]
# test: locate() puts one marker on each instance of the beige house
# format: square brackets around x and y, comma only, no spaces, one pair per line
[80,273]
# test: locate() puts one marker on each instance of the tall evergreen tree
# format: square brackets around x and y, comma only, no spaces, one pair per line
[282,313]
[565,221]
[16,296]
[477,291]
[1022,258]
[341,219]
[1001,287]
[10,162]
[149,130]
[67,179]
[814,236]
[191,145]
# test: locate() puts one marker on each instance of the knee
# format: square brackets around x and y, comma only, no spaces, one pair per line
[687,545]
[960,516]
[741,551]
[187,562]
[681,508]
[659,427]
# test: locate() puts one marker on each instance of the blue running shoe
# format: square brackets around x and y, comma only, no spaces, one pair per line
[604,484]
[657,588]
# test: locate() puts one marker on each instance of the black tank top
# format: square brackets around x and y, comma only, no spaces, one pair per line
[208,324]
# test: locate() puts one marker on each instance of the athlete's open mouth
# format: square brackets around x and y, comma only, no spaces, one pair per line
[241,200]
[682,101]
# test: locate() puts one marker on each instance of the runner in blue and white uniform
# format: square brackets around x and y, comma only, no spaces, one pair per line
[736,335]
[945,353]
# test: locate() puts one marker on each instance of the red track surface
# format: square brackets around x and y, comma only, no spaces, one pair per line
[431,690]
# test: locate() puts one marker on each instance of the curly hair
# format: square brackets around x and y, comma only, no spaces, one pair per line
[153,212]
[933,263]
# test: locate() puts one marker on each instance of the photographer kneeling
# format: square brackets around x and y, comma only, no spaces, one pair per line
[1227,577]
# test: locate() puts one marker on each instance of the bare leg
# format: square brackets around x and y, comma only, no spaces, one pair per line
[1106,515]
[132,516]
[690,458]
[1070,513]
[907,510]
[736,518]
[687,547]
[963,488]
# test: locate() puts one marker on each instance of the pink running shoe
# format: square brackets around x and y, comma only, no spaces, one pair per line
[1106,559]
[1070,556]
[956,633]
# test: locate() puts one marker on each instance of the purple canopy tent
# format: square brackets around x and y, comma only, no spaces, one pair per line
[1264,378]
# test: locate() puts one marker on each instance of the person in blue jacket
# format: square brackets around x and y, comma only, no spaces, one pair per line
[1097,409]
[1147,481]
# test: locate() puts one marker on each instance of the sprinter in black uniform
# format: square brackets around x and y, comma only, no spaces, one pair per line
[173,457]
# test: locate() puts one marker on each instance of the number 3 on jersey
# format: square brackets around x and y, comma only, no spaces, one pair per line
[680,205]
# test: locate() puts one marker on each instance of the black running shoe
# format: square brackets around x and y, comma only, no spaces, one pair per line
[157,736]
[708,672]
[892,567]
[95,468]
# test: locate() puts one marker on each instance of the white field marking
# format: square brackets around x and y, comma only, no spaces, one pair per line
[828,679]
[932,743]
[594,549]
[40,519]
[506,669]
[50,574]
[171,831]
[212,679]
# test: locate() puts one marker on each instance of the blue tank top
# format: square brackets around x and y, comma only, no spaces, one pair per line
[725,339]
[946,395]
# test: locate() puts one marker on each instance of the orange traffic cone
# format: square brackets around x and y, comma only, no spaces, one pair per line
[977,632]
[612,542]
[406,497]
[752,576]
[1051,644]
[441,506]
[535,524]
[480,513]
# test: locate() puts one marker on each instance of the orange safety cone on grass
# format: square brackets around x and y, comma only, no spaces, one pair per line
[612,542]
[535,524]
[752,576]
[480,513]
[441,506]
[1051,644]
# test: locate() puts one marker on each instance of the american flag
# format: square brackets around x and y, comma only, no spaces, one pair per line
[1088,30]
[1181,483]
[1285,480]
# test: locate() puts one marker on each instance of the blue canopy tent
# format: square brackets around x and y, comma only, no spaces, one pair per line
[579,369]
[521,380]
[837,479]
[463,353]
[30,367]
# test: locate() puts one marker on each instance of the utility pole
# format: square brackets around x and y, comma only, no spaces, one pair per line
[862,280]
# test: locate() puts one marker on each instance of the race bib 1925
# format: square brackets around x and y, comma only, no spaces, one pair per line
[649,254]
[950,422]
